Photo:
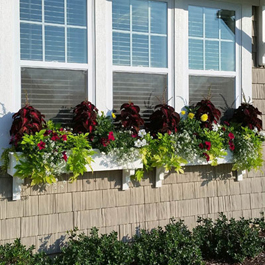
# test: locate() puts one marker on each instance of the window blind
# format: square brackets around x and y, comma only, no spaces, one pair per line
[144,90]
[139,33]
[220,88]
[54,92]
[211,39]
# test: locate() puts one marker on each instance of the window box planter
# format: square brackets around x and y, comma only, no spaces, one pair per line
[102,162]
[228,159]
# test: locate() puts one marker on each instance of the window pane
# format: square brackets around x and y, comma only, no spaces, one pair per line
[140,50]
[76,45]
[195,21]
[54,11]
[227,24]
[158,17]
[212,55]
[158,51]
[121,14]
[31,10]
[76,12]
[121,48]
[30,42]
[228,56]
[196,54]
[144,90]
[211,23]
[54,92]
[222,90]
[139,15]
[54,44]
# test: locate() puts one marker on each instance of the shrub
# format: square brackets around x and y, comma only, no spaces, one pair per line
[130,118]
[247,116]
[164,120]
[95,249]
[85,117]
[205,108]
[18,254]
[27,120]
[231,241]
[173,246]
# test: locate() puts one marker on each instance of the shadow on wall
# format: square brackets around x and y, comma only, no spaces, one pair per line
[46,246]
[5,125]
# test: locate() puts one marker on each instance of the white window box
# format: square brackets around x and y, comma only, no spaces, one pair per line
[101,162]
[228,159]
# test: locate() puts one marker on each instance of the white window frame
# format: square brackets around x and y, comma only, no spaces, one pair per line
[242,54]
[89,66]
[144,70]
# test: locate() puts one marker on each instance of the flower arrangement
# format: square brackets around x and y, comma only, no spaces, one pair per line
[170,140]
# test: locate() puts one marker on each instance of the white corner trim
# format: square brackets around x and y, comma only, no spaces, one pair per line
[261,49]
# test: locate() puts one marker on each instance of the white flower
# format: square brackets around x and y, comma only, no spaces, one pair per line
[255,129]
[142,133]
[262,133]
[215,127]
[144,142]
[138,143]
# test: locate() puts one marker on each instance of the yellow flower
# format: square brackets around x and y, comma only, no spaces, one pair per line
[113,115]
[183,112]
[191,115]
[204,117]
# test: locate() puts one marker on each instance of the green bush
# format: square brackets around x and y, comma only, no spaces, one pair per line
[95,249]
[228,240]
[173,246]
[18,254]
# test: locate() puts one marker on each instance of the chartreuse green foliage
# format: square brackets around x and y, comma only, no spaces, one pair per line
[161,152]
[47,154]
[229,240]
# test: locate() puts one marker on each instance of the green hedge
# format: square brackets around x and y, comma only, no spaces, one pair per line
[229,240]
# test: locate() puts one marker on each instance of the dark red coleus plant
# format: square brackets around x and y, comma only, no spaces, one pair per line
[247,116]
[130,118]
[85,117]
[207,107]
[164,120]
[27,120]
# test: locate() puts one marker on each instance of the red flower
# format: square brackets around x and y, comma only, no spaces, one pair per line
[231,136]
[64,156]
[206,157]
[231,146]
[201,145]
[55,137]
[47,132]
[134,135]
[226,123]
[223,128]
[111,136]
[41,145]
[208,145]
[104,142]
[64,137]
[61,129]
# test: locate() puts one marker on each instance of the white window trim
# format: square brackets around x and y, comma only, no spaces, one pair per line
[89,66]
[144,70]
[242,60]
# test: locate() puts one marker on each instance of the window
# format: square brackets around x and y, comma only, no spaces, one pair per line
[54,55]
[212,55]
[140,47]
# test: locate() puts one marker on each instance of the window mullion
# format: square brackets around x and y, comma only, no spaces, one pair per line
[149,34]
[65,29]
[220,66]
[204,35]
[43,33]
[131,32]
